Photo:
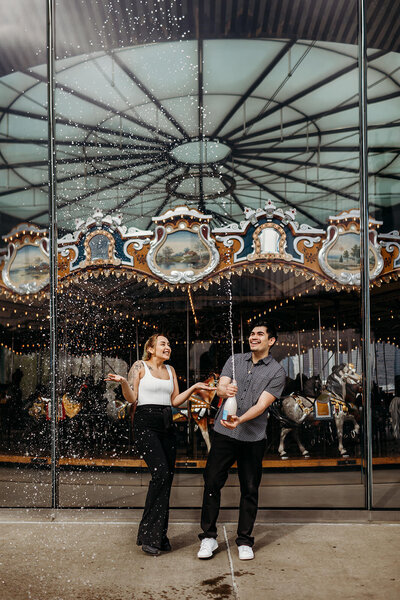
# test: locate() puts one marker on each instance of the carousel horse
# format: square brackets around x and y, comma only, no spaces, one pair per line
[312,405]
[199,404]
[394,410]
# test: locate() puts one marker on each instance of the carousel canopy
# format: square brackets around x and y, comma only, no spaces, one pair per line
[220,105]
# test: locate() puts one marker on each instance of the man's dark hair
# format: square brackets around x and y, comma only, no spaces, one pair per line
[270,327]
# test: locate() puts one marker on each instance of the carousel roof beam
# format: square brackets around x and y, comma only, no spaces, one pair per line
[221,218]
[102,105]
[317,116]
[217,217]
[325,188]
[238,202]
[83,126]
[299,136]
[98,190]
[301,163]
[87,160]
[159,209]
[302,93]
[388,175]
[164,202]
[93,173]
[149,94]
[292,161]
[77,144]
[146,186]
[254,86]
[314,149]
[234,197]
[276,195]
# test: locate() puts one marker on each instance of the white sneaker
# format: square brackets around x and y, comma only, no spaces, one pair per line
[245,552]
[208,546]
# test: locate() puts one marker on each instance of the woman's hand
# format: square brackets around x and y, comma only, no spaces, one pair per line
[202,386]
[115,378]
[233,422]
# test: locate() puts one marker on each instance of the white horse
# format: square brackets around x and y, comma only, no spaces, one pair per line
[330,404]
[394,410]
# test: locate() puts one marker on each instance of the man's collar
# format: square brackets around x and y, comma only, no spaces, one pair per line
[248,356]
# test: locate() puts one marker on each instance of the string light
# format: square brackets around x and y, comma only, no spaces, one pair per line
[192,306]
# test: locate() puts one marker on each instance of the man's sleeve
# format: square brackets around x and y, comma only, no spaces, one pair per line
[276,384]
[227,371]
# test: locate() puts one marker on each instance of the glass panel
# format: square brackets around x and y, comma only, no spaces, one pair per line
[24,263]
[384,203]
[282,207]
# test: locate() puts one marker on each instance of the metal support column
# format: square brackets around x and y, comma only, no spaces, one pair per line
[241,333]
[53,237]
[364,244]
[189,421]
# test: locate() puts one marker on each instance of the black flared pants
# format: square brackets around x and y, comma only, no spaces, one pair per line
[224,452]
[155,441]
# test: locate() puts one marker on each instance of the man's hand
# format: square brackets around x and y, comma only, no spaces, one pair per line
[233,422]
[231,389]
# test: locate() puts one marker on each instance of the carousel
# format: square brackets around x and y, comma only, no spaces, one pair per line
[207,175]
[203,287]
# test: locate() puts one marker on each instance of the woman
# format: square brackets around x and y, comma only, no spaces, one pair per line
[153,386]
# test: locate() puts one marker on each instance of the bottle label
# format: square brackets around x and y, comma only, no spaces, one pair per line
[225,415]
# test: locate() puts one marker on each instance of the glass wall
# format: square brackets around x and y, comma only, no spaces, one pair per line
[147,124]
[384,193]
[24,264]
[249,120]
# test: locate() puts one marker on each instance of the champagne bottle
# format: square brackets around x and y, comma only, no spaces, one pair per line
[230,407]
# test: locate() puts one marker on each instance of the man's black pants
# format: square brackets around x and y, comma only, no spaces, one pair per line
[224,452]
[155,440]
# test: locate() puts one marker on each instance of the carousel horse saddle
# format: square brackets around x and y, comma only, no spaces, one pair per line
[322,406]
[71,407]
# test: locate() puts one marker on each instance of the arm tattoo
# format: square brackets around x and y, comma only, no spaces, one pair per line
[134,372]
[137,365]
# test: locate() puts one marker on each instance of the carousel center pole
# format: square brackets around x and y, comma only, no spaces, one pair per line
[337,341]
[321,360]
[137,340]
[189,421]
[241,332]
[299,355]
[50,25]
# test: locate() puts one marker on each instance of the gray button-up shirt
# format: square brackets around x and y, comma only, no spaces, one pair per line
[266,375]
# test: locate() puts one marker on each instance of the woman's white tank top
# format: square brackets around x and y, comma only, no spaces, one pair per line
[153,390]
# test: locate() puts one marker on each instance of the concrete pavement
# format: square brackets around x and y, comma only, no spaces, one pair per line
[92,555]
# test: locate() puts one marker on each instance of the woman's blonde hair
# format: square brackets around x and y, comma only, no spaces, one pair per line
[151,343]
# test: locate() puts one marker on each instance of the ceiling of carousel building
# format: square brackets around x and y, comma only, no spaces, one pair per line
[213,104]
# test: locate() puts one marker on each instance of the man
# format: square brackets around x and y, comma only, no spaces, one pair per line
[259,381]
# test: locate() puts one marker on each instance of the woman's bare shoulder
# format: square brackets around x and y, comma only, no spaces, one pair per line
[136,367]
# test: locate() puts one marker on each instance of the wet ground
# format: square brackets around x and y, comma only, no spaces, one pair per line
[92,555]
